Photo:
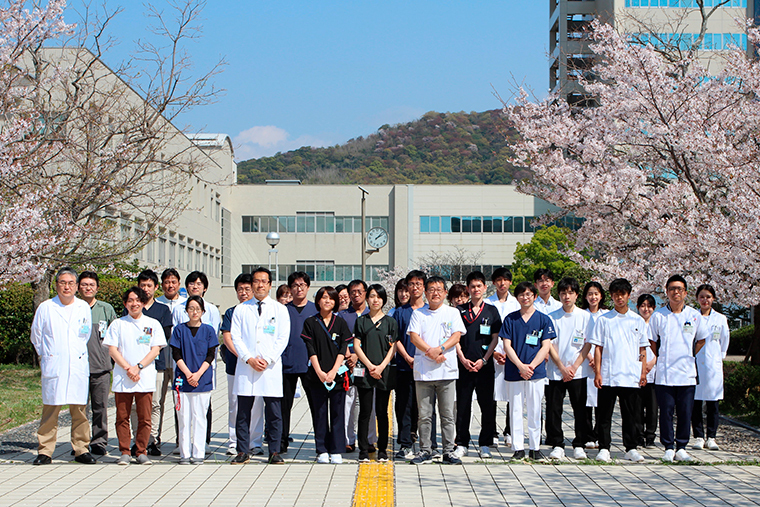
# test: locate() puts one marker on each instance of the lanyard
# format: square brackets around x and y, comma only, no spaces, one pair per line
[470,312]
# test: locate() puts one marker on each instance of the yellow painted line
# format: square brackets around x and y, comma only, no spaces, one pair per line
[375,482]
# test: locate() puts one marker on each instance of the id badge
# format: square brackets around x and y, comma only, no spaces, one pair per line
[102,326]
[485,329]
[689,329]
[358,371]
[84,330]
[334,336]
[578,339]
[144,339]
[716,335]
[531,339]
[269,329]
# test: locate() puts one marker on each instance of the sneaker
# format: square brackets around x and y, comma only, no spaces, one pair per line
[603,455]
[485,452]
[592,445]
[508,440]
[536,455]
[682,455]
[422,458]
[518,456]
[634,456]
[124,459]
[276,459]
[460,451]
[184,461]
[336,459]
[434,453]
[668,456]
[153,450]
[363,457]
[196,461]
[699,444]
[382,456]
[241,458]
[257,451]
[371,449]
[579,453]
[405,453]
[323,458]
[451,459]
[232,450]
[712,444]
[143,459]
[557,453]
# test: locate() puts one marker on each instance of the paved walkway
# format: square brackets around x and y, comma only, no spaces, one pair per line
[717,479]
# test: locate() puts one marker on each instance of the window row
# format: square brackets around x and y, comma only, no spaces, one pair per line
[311,223]
[324,271]
[710,42]
[689,4]
[458,274]
[164,252]
[451,224]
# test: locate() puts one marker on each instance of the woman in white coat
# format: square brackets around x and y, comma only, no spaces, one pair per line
[709,370]
[60,331]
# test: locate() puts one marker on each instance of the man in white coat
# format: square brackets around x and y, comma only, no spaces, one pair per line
[260,332]
[60,331]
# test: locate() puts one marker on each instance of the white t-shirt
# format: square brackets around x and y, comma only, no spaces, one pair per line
[572,330]
[134,339]
[435,327]
[621,335]
[677,333]
[547,307]
[210,316]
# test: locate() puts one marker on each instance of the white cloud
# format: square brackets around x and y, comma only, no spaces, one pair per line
[265,141]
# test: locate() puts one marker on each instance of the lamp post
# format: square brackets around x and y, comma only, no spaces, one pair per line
[273,239]
[364,233]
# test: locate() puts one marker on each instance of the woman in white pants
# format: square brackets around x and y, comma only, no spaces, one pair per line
[193,348]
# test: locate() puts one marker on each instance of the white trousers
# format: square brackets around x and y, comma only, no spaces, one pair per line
[257,416]
[192,423]
[529,393]
[351,419]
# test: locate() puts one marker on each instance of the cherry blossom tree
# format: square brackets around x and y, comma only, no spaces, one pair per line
[665,170]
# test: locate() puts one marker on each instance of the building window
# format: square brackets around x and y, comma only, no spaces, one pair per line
[311,223]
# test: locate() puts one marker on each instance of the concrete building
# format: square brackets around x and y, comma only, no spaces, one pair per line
[569,21]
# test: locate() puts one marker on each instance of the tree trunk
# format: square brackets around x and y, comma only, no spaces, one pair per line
[41,288]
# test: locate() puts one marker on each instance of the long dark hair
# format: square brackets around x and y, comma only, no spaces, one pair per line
[598,286]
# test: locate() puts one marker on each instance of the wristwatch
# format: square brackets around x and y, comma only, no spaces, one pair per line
[139,365]
[443,349]
[484,361]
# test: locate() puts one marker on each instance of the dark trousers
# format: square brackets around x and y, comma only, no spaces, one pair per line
[681,400]
[591,422]
[381,414]
[649,412]
[555,398]
[506,420]
[482,384]
[713,414]
[209,418]
[100,384]
[630,412]
[289,384]
[327,414]
[273,423]
[406,407]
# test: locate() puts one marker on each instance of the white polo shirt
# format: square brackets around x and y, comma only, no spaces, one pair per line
[547,307]
[134,339]
[621,335]
[505,308]
[677,333]
[435,327]
[572,330]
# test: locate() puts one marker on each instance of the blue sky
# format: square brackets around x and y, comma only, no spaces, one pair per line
[321,72]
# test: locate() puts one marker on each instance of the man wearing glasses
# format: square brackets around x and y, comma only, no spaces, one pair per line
[677,336]
[60,332]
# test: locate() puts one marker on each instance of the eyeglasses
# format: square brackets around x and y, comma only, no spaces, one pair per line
[194,310]
[298,286]
[676,289]
[436,291]
[67,284]
[416,284]
[357,292]
[257,281]
[243,290]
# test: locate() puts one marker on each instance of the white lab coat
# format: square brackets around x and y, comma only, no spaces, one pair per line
[59,335]
[710,358]
[264,336]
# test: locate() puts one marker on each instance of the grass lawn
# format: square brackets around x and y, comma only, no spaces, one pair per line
[20,395]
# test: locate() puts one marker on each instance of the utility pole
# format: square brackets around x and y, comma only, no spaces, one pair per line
[364,232]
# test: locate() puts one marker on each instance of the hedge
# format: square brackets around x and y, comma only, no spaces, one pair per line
[740,341]
[741,391]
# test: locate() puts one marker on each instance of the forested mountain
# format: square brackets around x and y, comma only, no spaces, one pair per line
[439,148]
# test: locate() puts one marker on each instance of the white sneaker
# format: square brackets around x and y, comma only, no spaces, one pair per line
[579,453]
[682,455]
[712,444]
[232,450]
[323,458]
[485,452]
[336,459]
[557,453]
[699,443]
[460,451]
[592,445]
[508,440]
[634,456]
[668,456]
[603,455]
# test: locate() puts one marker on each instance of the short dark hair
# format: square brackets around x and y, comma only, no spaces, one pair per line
[148,274]
[709,288]
[88,274]
[137,291]
[435,279]
[543,272]
[354,283]
[501,273]
[380,290]
[401,284]
[198,300]
[455,291]
[523,286]
[262,269]
[281,290]
[475,275]
[568,283]
[646,298]
[676,279]
[416,273]
[170,272]
[197,275]
[330,292]
[292,277]
[243,278]
[340,288]
[588,287]
[620,285]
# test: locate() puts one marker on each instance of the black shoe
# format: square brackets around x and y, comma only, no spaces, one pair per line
[283,449]
[649,444]
[98,450]
[371,449]
[276,459]
[42,459]
[518,455]
[85,458]
[134,451]
[241,458]
[536,456]
[153,450]
[382,456]
[350,448]
[290,439]
[363,457]
[450,459]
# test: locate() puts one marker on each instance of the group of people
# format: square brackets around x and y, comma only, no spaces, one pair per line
[346,355]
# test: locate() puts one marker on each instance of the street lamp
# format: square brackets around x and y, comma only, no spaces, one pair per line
[273,240]
[365,193]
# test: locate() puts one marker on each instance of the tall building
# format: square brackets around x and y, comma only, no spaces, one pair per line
[676,21]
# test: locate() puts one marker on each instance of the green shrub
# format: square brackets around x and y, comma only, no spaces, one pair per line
[740,340]
[741,390]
